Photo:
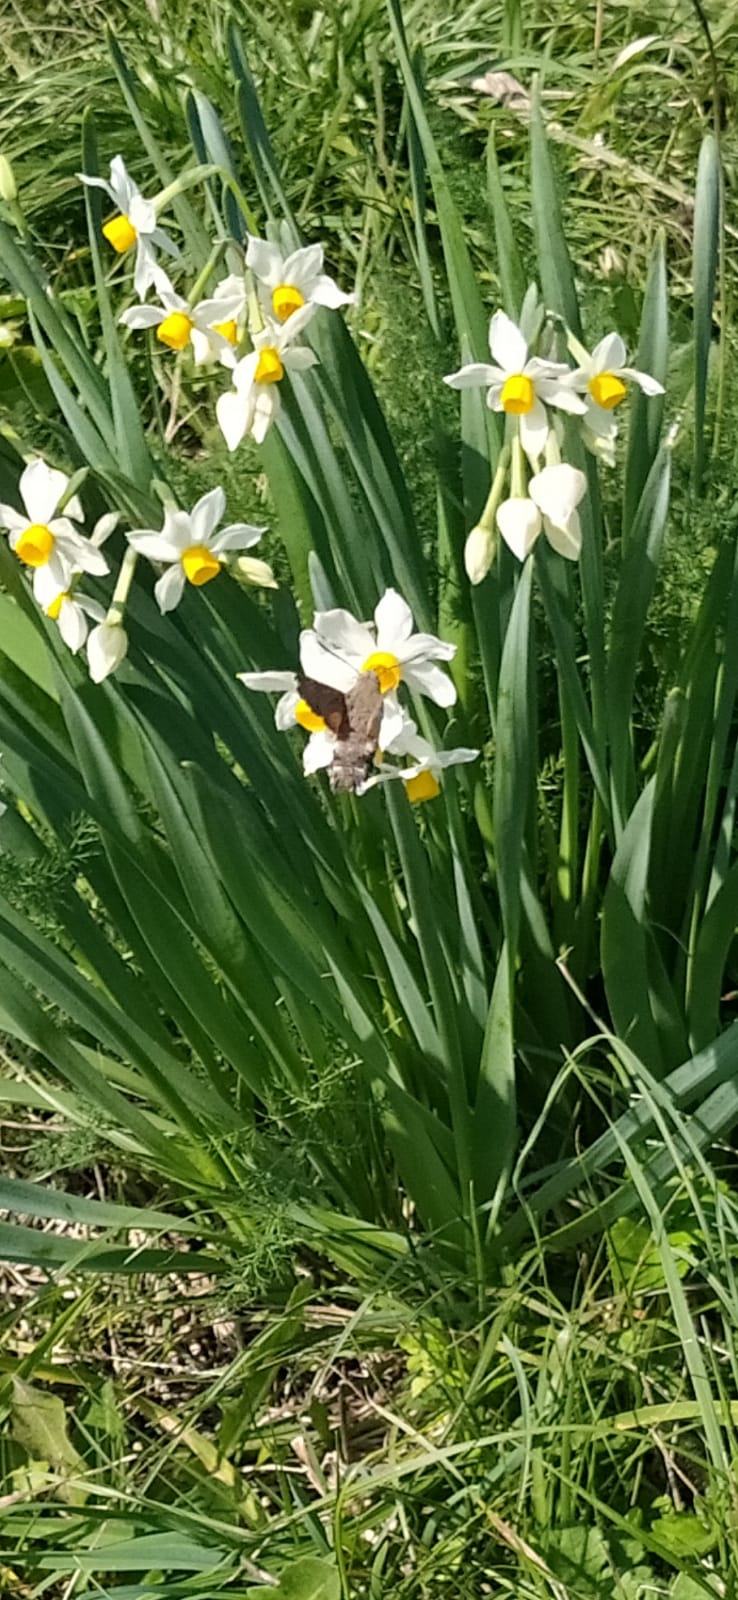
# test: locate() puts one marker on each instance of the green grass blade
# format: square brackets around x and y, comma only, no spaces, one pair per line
[705,254]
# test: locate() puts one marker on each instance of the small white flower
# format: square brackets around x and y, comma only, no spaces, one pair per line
[557,491]
[422,779]
[69,610]
[338,648]
[287,282]
[107,646]
[519,522]
[42,540]
[479,553]
[135,223]
[189,547]
[254,401]
[519,384]
[211,327]
[602,378]
[293,712]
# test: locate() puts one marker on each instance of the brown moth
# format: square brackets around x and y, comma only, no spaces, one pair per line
[355,720]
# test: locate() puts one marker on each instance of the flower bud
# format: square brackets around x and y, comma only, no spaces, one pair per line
[8,185]
[479,553]
[519,522]
[107,646]
[256,572]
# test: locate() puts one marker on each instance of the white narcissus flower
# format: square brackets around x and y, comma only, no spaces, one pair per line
[69,610]
[519,384]
[602,376]
[211,327]
[557,491]
[107,646]
[134,224]
[253,403]
[44,541]
[189,547]
[292,711]
[422,778]
[338,648]
[287,282]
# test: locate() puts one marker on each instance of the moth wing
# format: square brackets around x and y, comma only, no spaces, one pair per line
[327,703]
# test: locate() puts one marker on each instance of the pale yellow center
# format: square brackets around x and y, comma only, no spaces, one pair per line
[269,368]
[607,390]
[35,545]
[387,668]
[286,299]
[175,330]
[518,394]
[120,232]
[422,787]
[308,719]
[53,610]
[227,330]
[200,564]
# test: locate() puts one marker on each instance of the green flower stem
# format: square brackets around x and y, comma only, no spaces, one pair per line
[117,608]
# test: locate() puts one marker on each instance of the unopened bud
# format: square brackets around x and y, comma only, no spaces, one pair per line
[8,185]
[479,553]
[256,572]
[106,647]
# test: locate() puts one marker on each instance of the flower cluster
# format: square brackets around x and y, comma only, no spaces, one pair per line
[534,391]
[334,654]
[251,323]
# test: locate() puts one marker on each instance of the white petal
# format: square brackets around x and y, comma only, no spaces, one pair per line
[204,346]
[519,522]
[41,488]
[318,752]
[649,385]
[12,520]
[90,607]
[169,588]
[142,317]
[563,395]
[80,553]
[426,647]
[291,329]
[476,376]
[265,408]
[453,758]
[122,187]
[257,572]
[608,356]
[72,625]
[59,568]
[565,537]
[96,183]
[106,647]
[265,261]
[299,360]
[233,411]
[424,677]
[340,632]
[557,491]
[141,214]
[534,430]
[324,665]
[45,587]
[284,711]
[177,529]
[104,526]
[507,345]
[206,514]
[302,267]
[237,536]
[153,545]
[327,293]
[269,682]
[601,422]
[393,721]
[393,620]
